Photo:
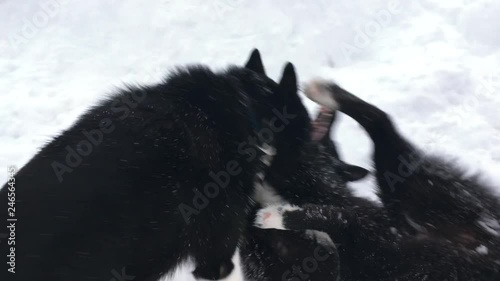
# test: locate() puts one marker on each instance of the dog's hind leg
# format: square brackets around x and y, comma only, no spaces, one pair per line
[421,192]
[378,125]
[396,160]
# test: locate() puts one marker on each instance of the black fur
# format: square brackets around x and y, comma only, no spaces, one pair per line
[269,254]
[370,248]
[317,176]
[133,203]
[430,224]
[426,189]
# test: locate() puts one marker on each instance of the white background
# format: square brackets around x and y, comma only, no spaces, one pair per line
[432,65]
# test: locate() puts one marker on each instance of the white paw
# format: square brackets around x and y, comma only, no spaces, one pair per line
[317,90]
[272,216]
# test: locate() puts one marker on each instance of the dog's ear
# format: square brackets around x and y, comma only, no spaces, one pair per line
[352,173]
[288,82]
[255,63]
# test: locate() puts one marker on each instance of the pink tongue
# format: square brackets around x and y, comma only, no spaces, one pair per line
[318,131]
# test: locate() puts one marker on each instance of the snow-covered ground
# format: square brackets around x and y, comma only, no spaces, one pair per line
[433,65]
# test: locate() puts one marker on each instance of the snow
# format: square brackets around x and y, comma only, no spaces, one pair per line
[433,65]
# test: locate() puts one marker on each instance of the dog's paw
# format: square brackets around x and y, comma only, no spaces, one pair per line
[318,91]
[272,217]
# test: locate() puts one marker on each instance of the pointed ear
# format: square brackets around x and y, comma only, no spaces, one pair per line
[288,83]
[255,63]
[353,173]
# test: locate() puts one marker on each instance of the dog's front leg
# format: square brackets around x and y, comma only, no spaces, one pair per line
[219,228]
[314,217]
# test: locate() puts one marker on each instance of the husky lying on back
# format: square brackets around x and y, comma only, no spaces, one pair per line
[435,224]
[318,176]
[155,175]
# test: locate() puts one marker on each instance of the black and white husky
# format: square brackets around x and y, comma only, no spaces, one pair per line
[153,176]
[435,223]
[317,176]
